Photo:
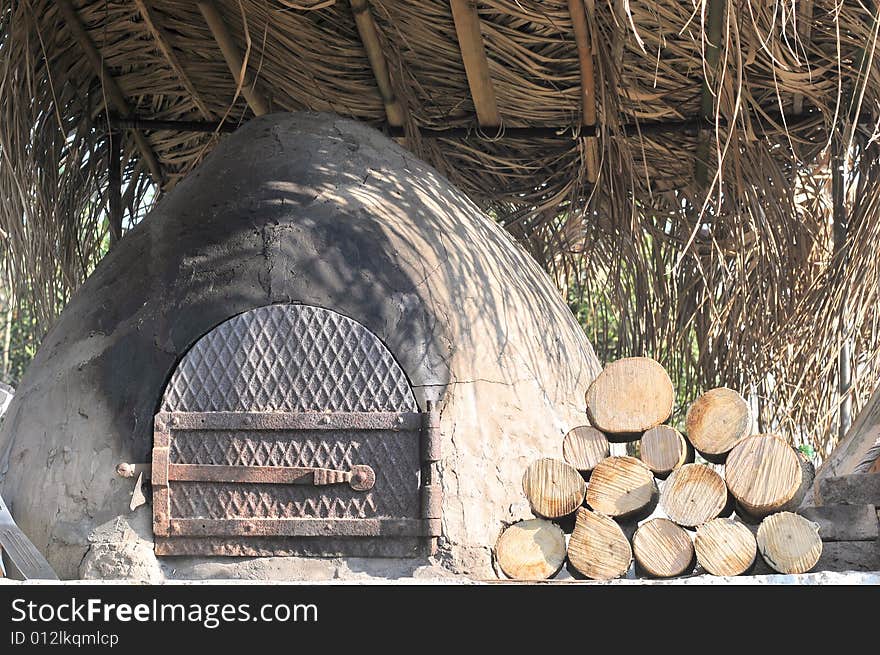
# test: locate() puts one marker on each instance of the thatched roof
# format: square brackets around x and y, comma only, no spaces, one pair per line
[722,271]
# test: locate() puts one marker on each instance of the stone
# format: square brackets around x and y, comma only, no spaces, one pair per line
[122,549]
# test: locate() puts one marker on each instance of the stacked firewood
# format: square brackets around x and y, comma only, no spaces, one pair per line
[662,511]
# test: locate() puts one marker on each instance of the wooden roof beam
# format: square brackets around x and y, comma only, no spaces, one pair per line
[366,27]
[715,18]
[476,64]
[805,29]
[231,54]
[114,93]
[588,82]
[585,58]
[164,45]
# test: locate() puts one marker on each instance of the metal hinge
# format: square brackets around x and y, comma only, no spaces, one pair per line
[432,492]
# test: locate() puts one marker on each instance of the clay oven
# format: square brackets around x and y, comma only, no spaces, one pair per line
[322,349]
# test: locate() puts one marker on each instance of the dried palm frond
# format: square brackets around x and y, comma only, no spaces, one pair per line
[712,249]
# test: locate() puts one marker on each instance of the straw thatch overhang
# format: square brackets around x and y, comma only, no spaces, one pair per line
[672,161]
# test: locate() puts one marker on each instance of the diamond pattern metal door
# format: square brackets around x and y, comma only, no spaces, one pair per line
[288,429]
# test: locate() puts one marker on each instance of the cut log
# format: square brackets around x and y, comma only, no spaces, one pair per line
[662,549]
[584,447]
[531,550]
[621,487]
[630,396]
[554,488]
[844,522]
[598,548]
[763,473]
[808,475]
[850,556]
[718,421]
[789,543]
[855,489]
[663,449]
[725,547]
[693,495]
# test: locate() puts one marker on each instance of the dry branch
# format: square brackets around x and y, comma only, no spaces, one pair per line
[756,293]
[232,55]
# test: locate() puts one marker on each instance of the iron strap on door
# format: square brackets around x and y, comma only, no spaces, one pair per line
[359,477]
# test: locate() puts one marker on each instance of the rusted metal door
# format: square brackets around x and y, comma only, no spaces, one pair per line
[291,429]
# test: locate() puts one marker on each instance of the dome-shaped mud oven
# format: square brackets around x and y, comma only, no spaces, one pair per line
[320,359]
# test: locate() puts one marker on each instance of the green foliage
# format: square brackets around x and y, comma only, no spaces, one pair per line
[18,342]
[21,330]
[807,450]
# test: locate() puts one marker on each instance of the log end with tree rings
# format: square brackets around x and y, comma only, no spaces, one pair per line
[664,449]
[531,550]
[584,447]
[717,421]
[789,543]
[598,548]
[621,486]
[630,396]
[693,495]
[662,549]
[725,547]
[763,473]
[553,488]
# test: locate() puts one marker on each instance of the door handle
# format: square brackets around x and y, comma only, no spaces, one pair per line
[359,477]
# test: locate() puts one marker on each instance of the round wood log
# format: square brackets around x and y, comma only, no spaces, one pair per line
[808,476]
[663,449]
[662,549]
[584,447]
[553,488]
[763,473]
[630,396]
[725,547]
[598,548]
[694,494]
[531,550]
[621,486]
[717,421]
[789,543]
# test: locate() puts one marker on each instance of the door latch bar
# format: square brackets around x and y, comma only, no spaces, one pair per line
[360,477]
